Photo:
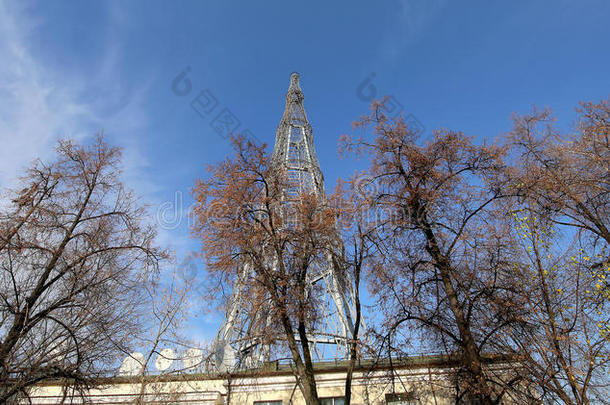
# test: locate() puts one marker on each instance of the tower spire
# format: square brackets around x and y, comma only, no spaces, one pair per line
[294,149]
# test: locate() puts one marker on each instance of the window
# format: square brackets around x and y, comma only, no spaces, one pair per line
[403,398]
[333,401]
[267,402]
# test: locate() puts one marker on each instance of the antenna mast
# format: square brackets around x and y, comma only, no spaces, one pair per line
[236,345]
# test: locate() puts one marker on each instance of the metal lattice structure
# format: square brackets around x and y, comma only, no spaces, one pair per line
[236,345]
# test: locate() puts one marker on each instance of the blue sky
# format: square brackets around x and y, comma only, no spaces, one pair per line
[70,69]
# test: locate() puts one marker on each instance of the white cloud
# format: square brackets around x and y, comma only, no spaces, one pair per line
[39,104]
[413,19]
[35,108]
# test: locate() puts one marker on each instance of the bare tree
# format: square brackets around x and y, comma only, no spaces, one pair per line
[561,221]
[566,179]
[162,340]
[253,237]
[74,250]
[568,175]
[356,229]
[442,247]
[559,345]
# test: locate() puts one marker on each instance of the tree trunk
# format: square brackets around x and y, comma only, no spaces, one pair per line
[353,352]
[304,371]
[472,358]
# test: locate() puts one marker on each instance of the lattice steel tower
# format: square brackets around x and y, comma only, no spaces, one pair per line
[295,154]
